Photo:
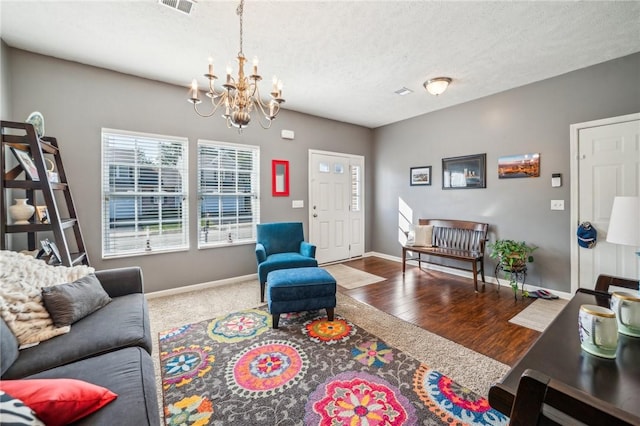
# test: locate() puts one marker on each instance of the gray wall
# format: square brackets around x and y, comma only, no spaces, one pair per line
[529,119]
[77,101]
[5,85]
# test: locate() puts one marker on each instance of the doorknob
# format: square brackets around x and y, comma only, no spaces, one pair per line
[315,215]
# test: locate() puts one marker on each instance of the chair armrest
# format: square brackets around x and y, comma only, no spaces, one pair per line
[308,249]
[261,253]
[121,281]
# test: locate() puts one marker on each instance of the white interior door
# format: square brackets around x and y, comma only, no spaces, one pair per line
[336,208]
[608,164]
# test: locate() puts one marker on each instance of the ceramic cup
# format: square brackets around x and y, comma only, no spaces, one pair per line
[626,306]
[598,330]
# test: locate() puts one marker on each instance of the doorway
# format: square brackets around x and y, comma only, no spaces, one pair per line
[336,205]
[605,162]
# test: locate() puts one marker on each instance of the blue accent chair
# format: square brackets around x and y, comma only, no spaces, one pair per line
[281,245]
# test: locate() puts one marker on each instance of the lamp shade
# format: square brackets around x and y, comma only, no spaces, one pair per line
[624,224]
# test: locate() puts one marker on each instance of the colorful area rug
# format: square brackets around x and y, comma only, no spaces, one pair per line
[237,370]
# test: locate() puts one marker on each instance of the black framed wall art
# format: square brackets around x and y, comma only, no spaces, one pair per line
[465,172]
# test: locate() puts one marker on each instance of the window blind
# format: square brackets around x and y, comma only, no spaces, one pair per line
[145,189]
[228,193]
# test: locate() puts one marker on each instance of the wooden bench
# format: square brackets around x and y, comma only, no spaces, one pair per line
[453,239]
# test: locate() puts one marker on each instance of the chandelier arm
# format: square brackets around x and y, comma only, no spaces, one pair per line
[212,89]
[258,98]
[213,111]
[262,108]
[262,119]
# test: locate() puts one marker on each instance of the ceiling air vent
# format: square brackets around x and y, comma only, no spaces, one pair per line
[403,91]
[184,6]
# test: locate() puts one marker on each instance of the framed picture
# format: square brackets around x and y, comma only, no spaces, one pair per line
[519,166]
[46,249]
[464,172]
[420,175]
[55,254]
[42,214]
[25,160]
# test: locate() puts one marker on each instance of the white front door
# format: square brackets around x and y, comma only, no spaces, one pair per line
[336,209]
[607,159]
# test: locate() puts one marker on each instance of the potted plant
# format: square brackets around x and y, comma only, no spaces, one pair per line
[512,257]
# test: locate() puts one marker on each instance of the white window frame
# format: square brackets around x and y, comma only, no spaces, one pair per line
[222,233]
[143,240]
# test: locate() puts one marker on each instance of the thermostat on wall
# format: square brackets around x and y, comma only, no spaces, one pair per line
[556,180]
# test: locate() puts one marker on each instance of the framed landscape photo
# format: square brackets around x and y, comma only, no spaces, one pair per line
[519,166]
[465,172]
[420,175]
[25,160]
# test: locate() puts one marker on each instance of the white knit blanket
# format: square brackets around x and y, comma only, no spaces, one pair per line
[22,278]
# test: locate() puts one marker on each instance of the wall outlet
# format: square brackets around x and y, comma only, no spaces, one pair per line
[557,204]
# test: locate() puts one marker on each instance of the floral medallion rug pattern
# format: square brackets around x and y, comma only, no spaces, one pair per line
[237,370]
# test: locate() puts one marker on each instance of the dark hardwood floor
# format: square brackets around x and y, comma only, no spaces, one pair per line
[447,305]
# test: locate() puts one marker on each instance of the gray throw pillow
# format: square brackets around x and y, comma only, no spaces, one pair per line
[67,303]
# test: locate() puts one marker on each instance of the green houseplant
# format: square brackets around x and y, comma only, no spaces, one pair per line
[512,257]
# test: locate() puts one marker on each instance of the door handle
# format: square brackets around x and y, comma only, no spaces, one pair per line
[315,215]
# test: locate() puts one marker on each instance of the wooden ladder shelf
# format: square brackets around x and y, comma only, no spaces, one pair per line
[56,196]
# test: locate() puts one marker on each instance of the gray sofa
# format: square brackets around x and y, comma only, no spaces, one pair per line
[110,348]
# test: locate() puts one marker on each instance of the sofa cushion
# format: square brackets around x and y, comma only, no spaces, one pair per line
[15,412]
[67,303]
[8,347]
[58,402]
[129,374]
[92,335]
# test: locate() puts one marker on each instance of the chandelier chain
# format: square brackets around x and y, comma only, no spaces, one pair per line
[240,12]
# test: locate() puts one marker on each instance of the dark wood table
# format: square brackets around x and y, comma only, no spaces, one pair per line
[557,353]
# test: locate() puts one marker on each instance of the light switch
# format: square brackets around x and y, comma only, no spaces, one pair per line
[557,204]
[297,204]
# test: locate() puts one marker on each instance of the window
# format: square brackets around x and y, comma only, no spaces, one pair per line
[228,189]
[356,188]
[144,185]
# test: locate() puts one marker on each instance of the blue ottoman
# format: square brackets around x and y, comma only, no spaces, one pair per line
[300,289]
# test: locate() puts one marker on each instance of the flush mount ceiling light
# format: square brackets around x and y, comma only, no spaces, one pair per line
[437,86]
[239,95]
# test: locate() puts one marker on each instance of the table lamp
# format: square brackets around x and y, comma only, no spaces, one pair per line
[624,224]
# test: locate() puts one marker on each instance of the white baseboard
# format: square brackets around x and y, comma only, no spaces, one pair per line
[462,273]
[201,286]
[452,271]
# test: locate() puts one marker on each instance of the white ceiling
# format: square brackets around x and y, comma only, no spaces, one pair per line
[338,59]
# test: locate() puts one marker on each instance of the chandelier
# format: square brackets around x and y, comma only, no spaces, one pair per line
[240,95]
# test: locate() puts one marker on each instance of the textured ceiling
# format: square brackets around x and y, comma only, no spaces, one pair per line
[338,59]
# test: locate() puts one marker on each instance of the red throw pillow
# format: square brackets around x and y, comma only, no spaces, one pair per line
[59,401]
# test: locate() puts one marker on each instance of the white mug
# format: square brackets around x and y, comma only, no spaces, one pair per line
[598,330]
[627,309]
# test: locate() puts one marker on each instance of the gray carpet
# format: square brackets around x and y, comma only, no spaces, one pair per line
[467,367]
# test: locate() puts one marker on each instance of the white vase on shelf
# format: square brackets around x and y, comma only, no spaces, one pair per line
[21,212]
